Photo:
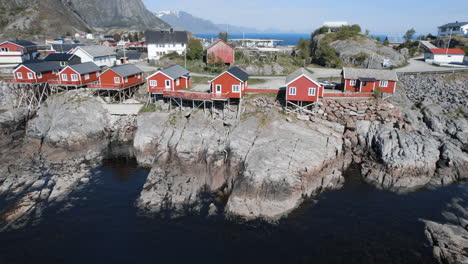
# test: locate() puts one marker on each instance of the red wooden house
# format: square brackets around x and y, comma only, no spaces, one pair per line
[367,80]
[172,78]
[301,87]
[230,84]
[119,77]
[78,74]
[220,50]
[17,51]
[35,72]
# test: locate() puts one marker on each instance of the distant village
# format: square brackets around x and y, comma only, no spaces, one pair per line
[116,68]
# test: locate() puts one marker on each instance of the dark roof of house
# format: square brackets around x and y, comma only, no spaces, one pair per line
[166,37]
[238,73]
[64,48]
[455,24]
[59,57]
[41,66]
[23,43]
[86,67]
[131,55]
[126,70]
[175,71]
[355,73]
[296,74]
[364,79]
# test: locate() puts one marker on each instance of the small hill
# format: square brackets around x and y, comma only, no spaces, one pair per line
[349,47]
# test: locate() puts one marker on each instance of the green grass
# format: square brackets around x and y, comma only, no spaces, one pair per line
[200,80]
[256,81]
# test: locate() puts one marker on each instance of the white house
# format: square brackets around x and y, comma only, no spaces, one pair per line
[161,43]
[457,28]
[100,55]
[89,36]
[444,56]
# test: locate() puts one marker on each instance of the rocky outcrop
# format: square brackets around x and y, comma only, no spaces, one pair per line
[70,122]
[449,91]
[349,52]
[450,239]
[263,163]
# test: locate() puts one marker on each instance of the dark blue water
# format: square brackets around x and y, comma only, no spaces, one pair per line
[357,224]
[288,38]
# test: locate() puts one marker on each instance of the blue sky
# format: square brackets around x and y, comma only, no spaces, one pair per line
[380,17]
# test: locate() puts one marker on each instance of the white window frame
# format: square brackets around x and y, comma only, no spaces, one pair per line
[64,77]
[74,77]
[19,75]
[39,75]
[352,82]
[313,90]
[383,83]
[153,83]
[5,49]
[178,82]
[220,90]
[86,77]
[62,63]
[168,83]
[116,79]
[126,79]
[30,76]
[236,88]
[291,89]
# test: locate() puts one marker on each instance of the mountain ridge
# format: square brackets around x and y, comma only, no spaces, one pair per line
[187,21]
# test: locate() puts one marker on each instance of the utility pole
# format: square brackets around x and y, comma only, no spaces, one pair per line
[448,44]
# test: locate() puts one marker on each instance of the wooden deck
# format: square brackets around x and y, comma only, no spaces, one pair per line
[112,87]
[197,96]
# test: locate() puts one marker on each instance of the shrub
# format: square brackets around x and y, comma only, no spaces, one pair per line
[378,93]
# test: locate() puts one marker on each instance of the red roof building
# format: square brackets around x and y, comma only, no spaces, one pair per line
[221,51]
[35,72]
[172,78]
[444,56]
[230,84]
[301,87]
[448,51]
[78,75]
[119,77]
[17,51]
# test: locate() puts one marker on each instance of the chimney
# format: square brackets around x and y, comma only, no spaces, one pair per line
[172,30]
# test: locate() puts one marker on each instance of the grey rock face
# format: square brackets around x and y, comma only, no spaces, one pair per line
[117,13]
[267,169]
[450,239]
[376,53]
[11,121]
[71,121]
[398,160]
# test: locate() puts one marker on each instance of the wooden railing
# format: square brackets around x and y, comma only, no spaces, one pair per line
[20,81]
[254,90]
[349,95]
[59,82]
[106,86]
[194,95]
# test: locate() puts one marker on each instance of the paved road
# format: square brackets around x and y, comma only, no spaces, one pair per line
[418,65]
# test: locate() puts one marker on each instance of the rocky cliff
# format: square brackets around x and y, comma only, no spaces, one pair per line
[117,14]
[34,19]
